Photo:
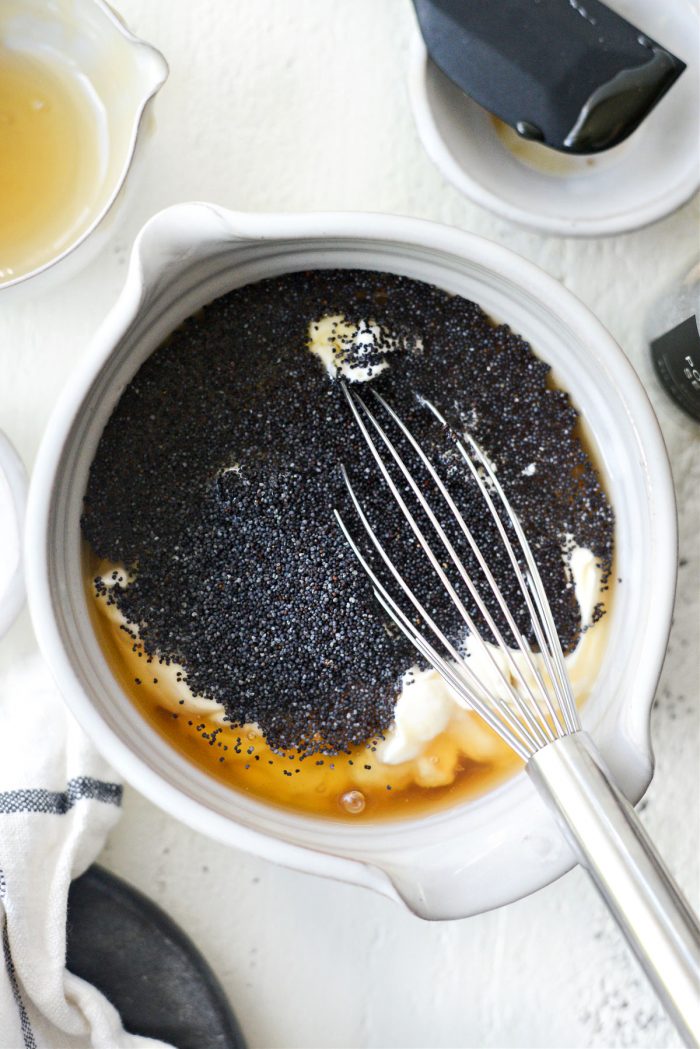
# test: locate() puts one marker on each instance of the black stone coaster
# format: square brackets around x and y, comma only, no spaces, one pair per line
[125,945]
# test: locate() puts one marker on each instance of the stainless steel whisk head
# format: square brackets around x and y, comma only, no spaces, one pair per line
[543,708]
[533,707]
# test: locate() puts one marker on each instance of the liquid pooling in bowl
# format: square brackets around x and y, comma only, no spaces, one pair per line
[226,600]
[51,165]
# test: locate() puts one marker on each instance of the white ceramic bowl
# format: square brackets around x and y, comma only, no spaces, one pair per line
[119,75]
[461,860]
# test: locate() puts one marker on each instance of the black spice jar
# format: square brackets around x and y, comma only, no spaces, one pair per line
[673,330]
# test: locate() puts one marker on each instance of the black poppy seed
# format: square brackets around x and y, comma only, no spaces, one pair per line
[250,560]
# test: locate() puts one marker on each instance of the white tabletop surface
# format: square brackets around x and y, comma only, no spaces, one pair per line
[278,105]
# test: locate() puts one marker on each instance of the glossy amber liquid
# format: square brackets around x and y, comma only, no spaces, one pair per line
[49,161]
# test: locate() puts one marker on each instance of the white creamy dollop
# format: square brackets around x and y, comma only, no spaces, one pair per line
[585,575]
[423,710]
[427,706]
[347,349]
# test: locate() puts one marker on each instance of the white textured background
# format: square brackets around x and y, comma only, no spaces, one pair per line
[302,105]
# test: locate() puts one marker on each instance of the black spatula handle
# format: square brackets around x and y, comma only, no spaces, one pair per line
[573,75]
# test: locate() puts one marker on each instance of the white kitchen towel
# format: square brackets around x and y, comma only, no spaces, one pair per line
[58,801]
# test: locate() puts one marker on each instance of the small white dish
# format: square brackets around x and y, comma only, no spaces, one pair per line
[648,176]
[116,75]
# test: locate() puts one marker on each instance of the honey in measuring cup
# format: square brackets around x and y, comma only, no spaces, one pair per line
[50,160]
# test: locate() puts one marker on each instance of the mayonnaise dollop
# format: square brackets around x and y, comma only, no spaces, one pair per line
[427,707]
[349,350]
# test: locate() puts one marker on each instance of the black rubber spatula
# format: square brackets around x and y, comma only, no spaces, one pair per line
[572,75]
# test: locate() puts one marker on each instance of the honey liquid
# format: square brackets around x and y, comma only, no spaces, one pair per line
[50,160]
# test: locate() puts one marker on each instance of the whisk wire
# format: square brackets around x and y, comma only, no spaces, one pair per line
[457,674]
[538,729]
[470,683]
[533,724]
[508,728]
[521,712]
[521,641]
[547,638]
[530,585]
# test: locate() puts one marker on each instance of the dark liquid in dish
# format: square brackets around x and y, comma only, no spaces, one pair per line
[215,481]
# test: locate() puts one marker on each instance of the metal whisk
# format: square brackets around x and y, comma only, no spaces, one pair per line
[537,717]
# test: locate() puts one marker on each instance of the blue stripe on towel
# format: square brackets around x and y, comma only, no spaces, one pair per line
[57,802]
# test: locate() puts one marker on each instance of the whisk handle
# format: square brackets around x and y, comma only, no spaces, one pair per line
[630,875]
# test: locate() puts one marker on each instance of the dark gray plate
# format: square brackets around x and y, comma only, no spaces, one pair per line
[144,964]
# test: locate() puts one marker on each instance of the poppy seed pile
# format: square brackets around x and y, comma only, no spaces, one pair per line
[215,480]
